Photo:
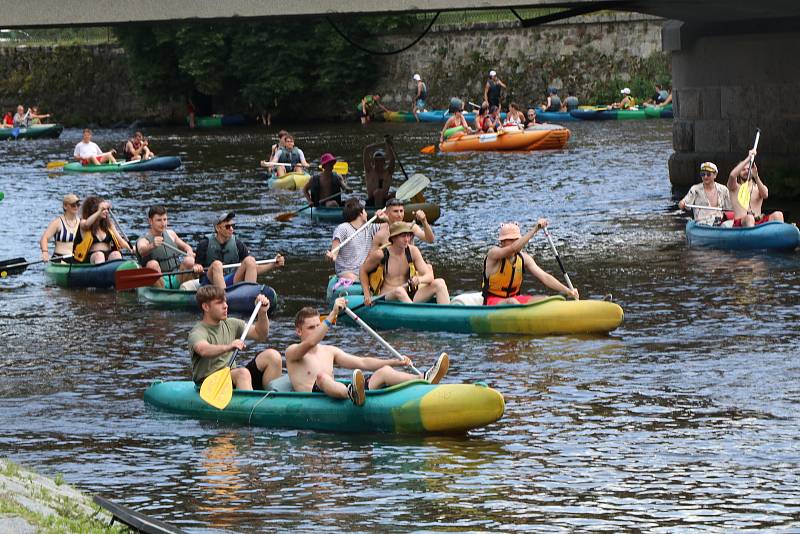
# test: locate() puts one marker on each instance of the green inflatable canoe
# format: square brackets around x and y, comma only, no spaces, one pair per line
[159,163]
[415,407]
[39,131]
[240,297]
[334,215]
[99,275]
[549,316]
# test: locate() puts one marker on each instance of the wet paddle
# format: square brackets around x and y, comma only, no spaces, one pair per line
[418,177]
[377,337]
[558,258]
[18,265]
[288,216]
[695,206]
[132,278]
[744,192]
[217,388]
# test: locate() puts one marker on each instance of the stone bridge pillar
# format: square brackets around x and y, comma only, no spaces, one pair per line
[730,78]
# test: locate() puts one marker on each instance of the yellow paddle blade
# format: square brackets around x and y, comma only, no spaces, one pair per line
[55,164]
[217,388]
[744,195]
[341,167]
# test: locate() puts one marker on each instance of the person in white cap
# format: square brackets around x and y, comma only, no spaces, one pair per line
[627,102]
[492,90]
[506,264]
[419,97]
[707,193]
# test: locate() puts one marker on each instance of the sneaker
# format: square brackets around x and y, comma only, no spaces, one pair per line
[356,388]
[438,370]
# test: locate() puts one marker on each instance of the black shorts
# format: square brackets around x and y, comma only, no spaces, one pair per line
[255,374]
[316,389]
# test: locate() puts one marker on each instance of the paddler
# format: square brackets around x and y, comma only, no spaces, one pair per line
[88,153]
[309,363]
[157,250]
[456,109]
[290,155]
[98,239]
[349,258]
[62,230]
[223,248]
[367,106]
[420,96]
[136,148]
[492,90]
[553,100]
[213,340]
[400,272]
[378,171]
[395,211]
[505,265]
[747,212]
[627,102]
[707,193]
[325,184]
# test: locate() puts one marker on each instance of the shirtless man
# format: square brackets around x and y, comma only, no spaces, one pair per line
[325,184]
[88,153]
[157,250]
[399,271]
[310,363]
[137,148]
[396,212]
[750,213]
[505,265]
[378,173]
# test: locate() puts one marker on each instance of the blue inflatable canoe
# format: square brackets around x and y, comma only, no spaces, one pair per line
[771,236]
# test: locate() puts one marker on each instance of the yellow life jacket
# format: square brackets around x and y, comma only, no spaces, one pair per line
[376,276]
[84,240]
[506,282]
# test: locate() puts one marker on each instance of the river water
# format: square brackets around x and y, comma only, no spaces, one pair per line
[684,418]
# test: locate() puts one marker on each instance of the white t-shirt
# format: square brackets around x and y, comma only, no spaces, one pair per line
[87,150]
[353,254]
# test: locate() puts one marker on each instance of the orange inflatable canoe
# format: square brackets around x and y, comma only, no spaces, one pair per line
[533,139]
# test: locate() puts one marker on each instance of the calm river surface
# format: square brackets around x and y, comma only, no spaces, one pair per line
[684,418]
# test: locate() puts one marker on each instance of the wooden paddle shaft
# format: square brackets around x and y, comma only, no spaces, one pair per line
[377,336]
[343,243]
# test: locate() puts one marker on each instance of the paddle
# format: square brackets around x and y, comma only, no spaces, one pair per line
[377,337]
[18,265]
[558,258]
[56,164]
[132,278]
[744,192]
[419,177]
[288,216]
[217,388]
[346,241]
[695,206]
[340,167]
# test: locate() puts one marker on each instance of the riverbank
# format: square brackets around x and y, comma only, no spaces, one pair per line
[31,503]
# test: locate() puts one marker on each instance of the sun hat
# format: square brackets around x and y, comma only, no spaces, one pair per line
[400,227]
[71,198]
[708,166]
[509,231]
[417,77]
[225,216]
[492,73]
[626,91]
[326,158]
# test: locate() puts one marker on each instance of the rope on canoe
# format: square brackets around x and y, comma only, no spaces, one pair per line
[256,406]
[379,52]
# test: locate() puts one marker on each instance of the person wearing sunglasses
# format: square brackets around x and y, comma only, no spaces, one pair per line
[222,248]
[707,193]
[530,118]
[62,229]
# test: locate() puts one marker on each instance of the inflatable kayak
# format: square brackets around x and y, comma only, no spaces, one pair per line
[415,407]
[608,114]
[38,131]
[291,181]
[554,116]
[436,115]
[341,288]
[218,121]
[654,112]
[334,215]
[159,163]
[100,275]
[771,235]
[535,139]
[552,315]
[240,297]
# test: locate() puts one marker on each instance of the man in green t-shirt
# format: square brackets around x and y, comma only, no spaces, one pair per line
[213,339]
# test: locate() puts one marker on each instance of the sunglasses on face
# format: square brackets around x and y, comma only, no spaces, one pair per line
[229,226]
[705,173]
[74,204]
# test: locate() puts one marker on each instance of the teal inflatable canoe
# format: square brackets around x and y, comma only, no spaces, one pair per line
[655,112]
[218,121]
[341,288]
[159,163]
[39,131]
[334,215]
[768,236]
[240,297]
[415,407]
[608,114]
[99,275]
[549,316]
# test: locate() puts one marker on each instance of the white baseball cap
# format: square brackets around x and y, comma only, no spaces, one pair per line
[492,73]
[417,77]
[626,91]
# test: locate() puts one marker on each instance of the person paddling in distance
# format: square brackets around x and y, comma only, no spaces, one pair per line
[749,214]
[348,259]
[213,339]
[98,238]
[62,230]
[492,90]
[281,136]
[627,102]
[378,172]
[88,153]
[159,249]
[291,155]
[137,148]
[394,212]
[325,184]
[505,265]
[553,102]
[708,193]
[368,105]
[420,96]
[222,248]
[457,119]
[309,363]
[399,271]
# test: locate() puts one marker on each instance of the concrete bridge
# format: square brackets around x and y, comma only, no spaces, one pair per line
[735,63]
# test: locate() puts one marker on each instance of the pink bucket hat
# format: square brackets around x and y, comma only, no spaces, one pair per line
[326,158]
[509,231]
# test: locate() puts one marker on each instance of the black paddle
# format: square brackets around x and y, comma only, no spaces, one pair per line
[18,265]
